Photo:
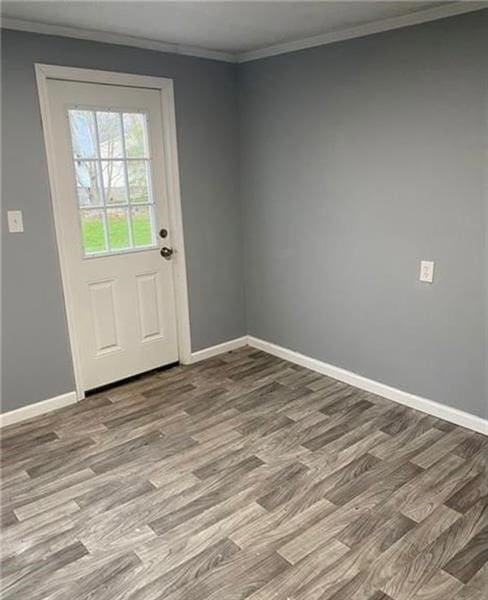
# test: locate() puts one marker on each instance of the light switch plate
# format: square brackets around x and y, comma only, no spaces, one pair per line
[15,222]
[426,271]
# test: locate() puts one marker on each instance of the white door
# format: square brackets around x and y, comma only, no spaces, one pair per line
[113,210]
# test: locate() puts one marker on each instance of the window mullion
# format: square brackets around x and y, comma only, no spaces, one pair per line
[126,176]
[102,187]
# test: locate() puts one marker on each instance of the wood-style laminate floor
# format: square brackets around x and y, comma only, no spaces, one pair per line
[243,477]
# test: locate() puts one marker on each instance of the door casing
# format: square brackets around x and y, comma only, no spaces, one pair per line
[165,87]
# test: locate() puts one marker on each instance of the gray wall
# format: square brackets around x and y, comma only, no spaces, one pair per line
[358,159]
[36,357]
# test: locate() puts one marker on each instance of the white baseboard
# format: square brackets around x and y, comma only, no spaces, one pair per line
[39,408]
[219,349]
[453,415]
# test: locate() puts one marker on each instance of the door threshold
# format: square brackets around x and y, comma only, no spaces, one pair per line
[132,378]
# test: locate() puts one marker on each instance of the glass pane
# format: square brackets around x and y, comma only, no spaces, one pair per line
[93,231]
[138,175]
[113,175]
[142,226]
[83,136]
[118,228]
[135,131]
[88,183]
[109,134]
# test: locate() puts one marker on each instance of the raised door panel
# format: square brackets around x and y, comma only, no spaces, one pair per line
[148,304]
[105,323]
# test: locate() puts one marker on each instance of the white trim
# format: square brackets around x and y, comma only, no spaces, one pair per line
[415,18]
[118,39]
[176,224]
[422,16]
[453,415]
[165,86]
[39,408]
[219,349]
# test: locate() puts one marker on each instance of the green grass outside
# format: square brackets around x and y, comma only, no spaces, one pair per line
[93,237]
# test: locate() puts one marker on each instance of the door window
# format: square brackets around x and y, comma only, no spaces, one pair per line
[112,167]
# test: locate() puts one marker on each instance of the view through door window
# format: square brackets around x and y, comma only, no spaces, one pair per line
[113,180]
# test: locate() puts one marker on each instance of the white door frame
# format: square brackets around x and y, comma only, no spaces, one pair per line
[165,87]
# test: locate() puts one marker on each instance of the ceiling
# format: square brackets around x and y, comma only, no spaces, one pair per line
[232,27]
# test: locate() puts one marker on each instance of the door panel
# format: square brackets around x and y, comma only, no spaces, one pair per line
[111,181]
[104,318]
[148,292]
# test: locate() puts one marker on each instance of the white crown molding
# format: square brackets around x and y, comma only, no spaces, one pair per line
[448,413]
[421,16]
[36,409]
[114,38]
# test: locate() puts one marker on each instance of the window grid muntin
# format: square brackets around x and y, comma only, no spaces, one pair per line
[145,159]
[126,177]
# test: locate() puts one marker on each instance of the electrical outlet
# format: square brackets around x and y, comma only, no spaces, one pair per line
[15,222]
[426,271]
